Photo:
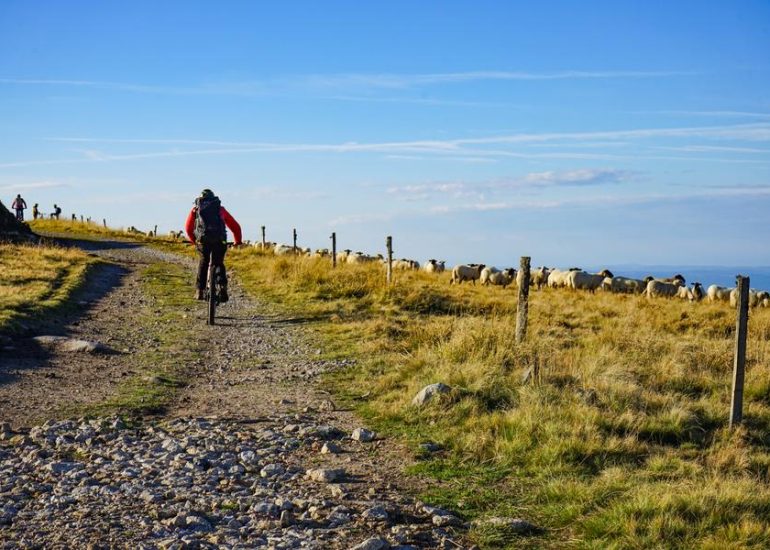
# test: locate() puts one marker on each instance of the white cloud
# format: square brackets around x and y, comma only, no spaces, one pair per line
[29,186]
[345,81]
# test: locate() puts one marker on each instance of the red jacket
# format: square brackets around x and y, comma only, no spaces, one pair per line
[232,225]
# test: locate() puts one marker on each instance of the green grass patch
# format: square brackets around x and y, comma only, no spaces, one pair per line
[159,372]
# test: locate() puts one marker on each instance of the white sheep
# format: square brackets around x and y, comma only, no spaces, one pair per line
[753,297]
[405,265]
[557,278]
[716,293]
[624,285]
[697,292]
[466,272]
[499,278]
[656,288]
[580,280]
[434,266]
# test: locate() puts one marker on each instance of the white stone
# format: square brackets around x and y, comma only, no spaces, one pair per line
[363,435]
[426,394]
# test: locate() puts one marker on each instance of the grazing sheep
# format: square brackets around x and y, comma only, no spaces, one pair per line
[486,273]
[763,298]
[284,249]
[499,278]
[697,292]
[557,278]
[716,293]
[267,246]
[466,272]
[405,265]
[321,253]
[342,257]
[624,285]
[434,266]
[537,277]
[753,297]
[656,288]
[361,258]
[580,280]
[674,279]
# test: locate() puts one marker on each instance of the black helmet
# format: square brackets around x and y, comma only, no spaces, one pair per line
[207,194]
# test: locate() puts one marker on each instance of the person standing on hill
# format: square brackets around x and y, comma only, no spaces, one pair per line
[35,211]
[19,205]
[56,211]
[206,227]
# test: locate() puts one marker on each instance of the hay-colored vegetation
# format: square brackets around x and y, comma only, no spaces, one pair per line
[623,440]
[36,279]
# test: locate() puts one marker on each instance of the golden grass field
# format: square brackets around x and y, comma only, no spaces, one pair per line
[622,441]
[35,279]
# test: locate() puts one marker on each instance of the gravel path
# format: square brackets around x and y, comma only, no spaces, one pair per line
[251,453]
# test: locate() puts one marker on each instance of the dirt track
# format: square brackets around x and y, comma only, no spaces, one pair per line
[254,368]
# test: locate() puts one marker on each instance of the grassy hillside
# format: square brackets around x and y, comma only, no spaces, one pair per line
[36,279]
[621,442]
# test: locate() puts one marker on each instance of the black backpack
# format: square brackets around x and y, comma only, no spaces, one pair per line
[209,225]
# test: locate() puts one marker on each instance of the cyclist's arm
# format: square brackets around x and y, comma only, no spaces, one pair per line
[232,225]
[189,226]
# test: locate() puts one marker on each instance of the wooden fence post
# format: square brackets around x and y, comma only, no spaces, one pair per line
[264,243]
[739,365]
[389,246]
[104,222]
[155,231]
[334,249]
[522,309]
[294,233]
[81,218]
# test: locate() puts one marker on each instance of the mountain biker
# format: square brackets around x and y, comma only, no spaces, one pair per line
[205,227]
[19,205]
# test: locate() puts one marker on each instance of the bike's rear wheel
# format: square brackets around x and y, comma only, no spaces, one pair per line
[212,292]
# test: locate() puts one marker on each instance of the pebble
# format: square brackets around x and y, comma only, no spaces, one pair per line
[363,435]
[330,447]
[195,483]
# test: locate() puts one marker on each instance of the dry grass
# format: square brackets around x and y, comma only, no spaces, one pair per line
[623,440]
[36,279]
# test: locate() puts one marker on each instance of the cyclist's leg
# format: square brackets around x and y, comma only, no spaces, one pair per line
[204,250]
[219,261]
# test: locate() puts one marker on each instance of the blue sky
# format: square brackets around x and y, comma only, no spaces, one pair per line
[577,133]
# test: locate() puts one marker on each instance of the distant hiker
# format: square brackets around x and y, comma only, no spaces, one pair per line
[35,212]
[56,212]
[205,227]
[19,205]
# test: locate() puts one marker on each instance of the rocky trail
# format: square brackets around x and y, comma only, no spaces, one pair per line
[248,451]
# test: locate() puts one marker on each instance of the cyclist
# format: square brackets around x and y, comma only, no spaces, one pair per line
[19,205]
[205,227]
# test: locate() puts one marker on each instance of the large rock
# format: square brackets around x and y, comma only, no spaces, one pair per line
[374,543]
[429,392]
[325,475]
[12,230]
[72,345]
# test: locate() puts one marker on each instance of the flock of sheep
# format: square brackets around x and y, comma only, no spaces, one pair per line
[541,277]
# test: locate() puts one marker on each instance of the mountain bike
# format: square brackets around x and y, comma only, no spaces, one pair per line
[212,289]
